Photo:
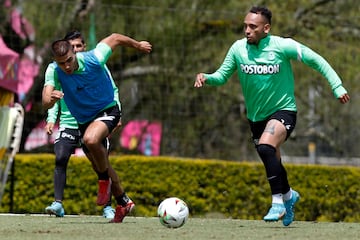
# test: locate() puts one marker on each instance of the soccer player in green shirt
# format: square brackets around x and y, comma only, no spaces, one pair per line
[263,65]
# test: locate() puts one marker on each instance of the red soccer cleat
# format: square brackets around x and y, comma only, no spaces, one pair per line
[103,192]
[121,212]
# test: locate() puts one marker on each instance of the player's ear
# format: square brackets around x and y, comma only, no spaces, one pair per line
[267,28]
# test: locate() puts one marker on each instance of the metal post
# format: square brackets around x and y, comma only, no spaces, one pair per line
[12,184]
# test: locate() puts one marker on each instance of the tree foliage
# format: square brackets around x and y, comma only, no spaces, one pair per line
[193,36]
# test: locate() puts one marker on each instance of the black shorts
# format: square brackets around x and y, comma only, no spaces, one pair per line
[288,118]
[110,116]
[68,139]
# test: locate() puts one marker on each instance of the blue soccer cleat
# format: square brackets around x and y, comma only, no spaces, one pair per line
[276,212]
[108,212]
[290,208]
[55,208]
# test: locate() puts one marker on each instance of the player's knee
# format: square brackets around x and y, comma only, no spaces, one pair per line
[61,160]
[265,150]
[90,141]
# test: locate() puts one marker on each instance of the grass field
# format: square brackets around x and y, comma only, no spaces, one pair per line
[138,228]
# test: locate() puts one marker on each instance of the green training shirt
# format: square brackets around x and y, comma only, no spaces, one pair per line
[266,75]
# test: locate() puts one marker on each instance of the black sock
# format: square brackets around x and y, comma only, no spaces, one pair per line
[123,199]
[285,184]
[273,167]
[103,175]
[108,203]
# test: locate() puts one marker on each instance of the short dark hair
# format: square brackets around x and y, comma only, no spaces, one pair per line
[264,11]
[73,35]
[60,48]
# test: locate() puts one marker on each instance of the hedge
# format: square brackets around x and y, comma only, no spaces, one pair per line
[210,187]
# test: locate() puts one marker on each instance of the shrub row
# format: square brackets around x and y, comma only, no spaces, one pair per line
[210,187]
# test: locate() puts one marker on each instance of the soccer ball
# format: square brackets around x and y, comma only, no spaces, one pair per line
[173,212]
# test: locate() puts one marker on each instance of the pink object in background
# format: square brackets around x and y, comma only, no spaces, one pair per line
[28,70]
[21,25]
[17,72]
[143,136]
[9,64]
[38,136]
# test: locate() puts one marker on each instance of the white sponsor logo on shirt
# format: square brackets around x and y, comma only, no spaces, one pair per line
[260,69]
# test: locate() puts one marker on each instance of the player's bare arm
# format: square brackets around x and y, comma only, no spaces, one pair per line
[117,39]
[50,96]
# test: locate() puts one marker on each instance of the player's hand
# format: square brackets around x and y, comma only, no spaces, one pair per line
[56,95]
[50,96]
[49,128]
[344,98]
[200,80]
[145,46]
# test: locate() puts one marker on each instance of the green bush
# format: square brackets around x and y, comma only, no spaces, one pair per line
[210,187]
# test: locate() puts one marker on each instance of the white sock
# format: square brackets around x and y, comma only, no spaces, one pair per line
[277,198]
[288,195]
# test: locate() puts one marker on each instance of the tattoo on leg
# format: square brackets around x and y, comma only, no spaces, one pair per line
[270,129]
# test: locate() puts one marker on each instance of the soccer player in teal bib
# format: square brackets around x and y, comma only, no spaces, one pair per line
[68,138]
[263,65]
[82,80]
